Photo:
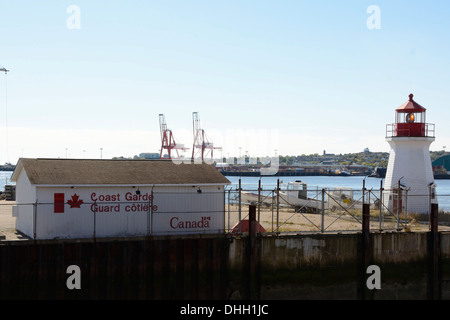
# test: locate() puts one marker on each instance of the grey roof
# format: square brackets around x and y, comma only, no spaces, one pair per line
[116,172]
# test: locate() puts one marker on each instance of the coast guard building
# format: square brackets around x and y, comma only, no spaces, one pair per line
[78,198]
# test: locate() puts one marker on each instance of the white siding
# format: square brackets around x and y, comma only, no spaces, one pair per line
[25,198]
[119,211]
[185,210]
[409,160]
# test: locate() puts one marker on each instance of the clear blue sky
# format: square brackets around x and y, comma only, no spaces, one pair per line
[292,76]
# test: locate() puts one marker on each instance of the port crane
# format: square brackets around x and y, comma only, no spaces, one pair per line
[203,148]
[168,141]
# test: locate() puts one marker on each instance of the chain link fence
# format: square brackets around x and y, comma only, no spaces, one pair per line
[86,214]
[293,208]
[287,208]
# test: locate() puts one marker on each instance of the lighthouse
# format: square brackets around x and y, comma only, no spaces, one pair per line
[409,181]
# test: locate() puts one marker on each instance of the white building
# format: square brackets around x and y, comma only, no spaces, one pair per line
[67,198]
[409,180]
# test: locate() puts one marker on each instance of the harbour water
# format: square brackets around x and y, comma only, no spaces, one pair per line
[330,182]
[5,177]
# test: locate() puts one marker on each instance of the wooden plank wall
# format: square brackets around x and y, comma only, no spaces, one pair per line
[168,268]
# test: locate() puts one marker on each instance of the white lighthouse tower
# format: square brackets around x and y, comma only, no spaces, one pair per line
[409,181]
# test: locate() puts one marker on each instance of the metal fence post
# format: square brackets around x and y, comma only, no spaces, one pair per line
[406,208]
[366,218]
[251,256]
[259,203]
[380,218]
[364,190]
[95,219]
[434,277]
[323,212]
[229,208]
[239,197]
[151,213]
[278,204]
[273,204]
[148,216]
[366,250]
[399,203]
[34,219]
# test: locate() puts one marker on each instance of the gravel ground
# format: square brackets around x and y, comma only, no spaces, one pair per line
[8,222]
[291,222]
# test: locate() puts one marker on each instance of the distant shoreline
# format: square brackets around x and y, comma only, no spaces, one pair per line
[7,167]
[283,174]
[280,174]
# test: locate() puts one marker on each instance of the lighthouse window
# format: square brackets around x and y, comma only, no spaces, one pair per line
[410,117]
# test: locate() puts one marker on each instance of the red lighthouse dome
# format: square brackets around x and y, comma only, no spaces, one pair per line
[410,121]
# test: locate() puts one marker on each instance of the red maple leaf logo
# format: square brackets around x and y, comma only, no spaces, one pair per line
[75,202]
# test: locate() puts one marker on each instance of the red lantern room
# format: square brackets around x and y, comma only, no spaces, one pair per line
[410,121]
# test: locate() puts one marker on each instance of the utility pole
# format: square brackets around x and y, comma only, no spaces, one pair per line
[6,110]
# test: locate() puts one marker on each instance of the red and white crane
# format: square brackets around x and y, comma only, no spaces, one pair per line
[203,148]
[168,141]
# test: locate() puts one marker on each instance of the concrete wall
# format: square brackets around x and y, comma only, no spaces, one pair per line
[328,266]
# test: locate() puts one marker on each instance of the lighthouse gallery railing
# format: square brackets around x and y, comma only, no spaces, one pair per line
[394,130]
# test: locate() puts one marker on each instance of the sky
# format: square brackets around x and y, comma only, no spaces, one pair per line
[88,79]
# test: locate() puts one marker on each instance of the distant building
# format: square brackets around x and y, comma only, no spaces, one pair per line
[146,155]
[442,163]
